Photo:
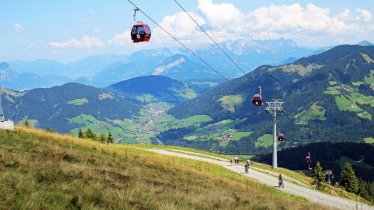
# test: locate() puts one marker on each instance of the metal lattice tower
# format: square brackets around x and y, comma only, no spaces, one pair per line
[274,107]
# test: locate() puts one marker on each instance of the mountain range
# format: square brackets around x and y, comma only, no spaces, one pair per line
[328,97]
[177,63]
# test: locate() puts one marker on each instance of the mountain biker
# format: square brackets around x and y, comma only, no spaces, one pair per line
[280,181]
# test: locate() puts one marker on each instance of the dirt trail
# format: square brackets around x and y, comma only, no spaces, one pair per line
[264,178]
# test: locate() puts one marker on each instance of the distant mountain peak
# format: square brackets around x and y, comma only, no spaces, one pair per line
[365,43]
[169,63]
[242,46]
[4,66]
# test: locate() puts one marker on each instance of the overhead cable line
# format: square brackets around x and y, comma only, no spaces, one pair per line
[217,72]
[240,69]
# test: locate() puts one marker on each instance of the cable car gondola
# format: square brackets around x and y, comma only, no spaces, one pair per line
[257,99]
[308,158]
[140,32]
[281,137]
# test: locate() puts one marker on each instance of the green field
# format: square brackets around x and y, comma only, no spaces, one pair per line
[315,112]
[210,84]
[370,79]
[88,121]
[348,98]
[369,140]
[229,102]
[145,98]
[78,102]
[142,128]
[299,69]
[104,96]
[217,131]
[265,140]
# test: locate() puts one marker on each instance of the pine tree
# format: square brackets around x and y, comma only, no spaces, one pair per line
[319,176]
[110,138]
[91,135]
[371,190]
[363,189]
[80,133]
[348,179]
[27,124]
[84,135]
[103,138]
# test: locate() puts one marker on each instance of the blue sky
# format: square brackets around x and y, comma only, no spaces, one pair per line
[68,30]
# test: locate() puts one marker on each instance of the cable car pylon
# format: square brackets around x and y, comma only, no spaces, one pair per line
[274,107]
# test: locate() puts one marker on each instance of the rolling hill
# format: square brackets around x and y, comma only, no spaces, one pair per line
[68,107]
[328,97]
[154,89]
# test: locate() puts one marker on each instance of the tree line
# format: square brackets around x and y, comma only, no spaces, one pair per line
[89,134]
[348,181]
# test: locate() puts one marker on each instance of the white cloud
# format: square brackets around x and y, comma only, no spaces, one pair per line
[180,26]
[311,20]
[220,15]
[366,15]
[121,39]
[84,42]
[97,30]
[18,27]
[307,25]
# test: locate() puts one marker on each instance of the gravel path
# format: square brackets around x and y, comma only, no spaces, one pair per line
[310,194]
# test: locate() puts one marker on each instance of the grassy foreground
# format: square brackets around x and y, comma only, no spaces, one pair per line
[40,170]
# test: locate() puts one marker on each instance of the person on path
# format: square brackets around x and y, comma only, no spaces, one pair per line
[246,166]
[280,181]
[248,162]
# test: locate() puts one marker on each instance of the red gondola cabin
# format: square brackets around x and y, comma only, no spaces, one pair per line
[140,32]
[308,159]
[257,100]
[281,137]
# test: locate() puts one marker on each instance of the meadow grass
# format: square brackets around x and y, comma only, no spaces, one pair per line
[369,140]
[41,170]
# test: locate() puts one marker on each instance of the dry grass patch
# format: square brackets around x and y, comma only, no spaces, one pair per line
[40,170]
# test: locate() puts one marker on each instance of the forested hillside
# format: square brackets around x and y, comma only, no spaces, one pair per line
[68,107]
[328,97]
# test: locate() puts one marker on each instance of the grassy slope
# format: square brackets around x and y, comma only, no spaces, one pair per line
[315,112]
[43,170]
[229,102]
[369,140]
[348,99]
[299,176]
[265,140]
